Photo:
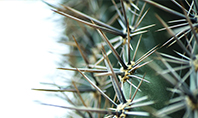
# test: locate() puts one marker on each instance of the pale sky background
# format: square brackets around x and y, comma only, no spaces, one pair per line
[27,34]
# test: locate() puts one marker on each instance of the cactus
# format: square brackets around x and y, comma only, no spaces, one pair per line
[131,58]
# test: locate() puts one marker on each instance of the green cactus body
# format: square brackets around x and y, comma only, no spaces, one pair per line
[132,58]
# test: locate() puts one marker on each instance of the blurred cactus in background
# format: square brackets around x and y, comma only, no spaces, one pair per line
[131,58]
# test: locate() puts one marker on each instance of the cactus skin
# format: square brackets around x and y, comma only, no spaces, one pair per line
[170,77]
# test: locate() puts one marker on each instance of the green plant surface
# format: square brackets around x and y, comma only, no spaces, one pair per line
[131,58]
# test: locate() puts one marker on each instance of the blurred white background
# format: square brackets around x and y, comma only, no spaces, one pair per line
[28,32]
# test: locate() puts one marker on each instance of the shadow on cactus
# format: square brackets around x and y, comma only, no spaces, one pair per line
[188,22]
[184,75]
